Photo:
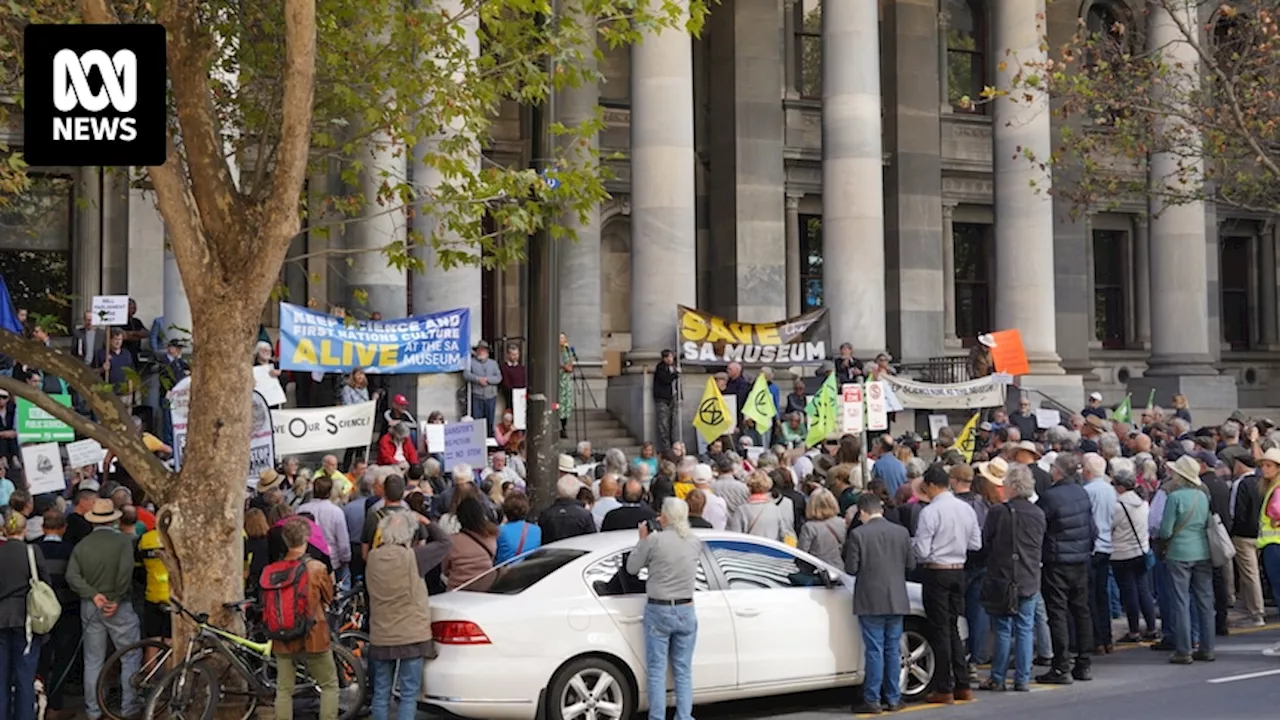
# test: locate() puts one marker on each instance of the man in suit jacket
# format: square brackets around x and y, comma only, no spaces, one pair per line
[88,339]
[879,553]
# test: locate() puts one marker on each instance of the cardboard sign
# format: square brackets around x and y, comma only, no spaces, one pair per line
[877,408]
[110,310]
[36,425]
[464,442]
[434,433]
[520,407]
[851,409]
[268,387]
[1047,418]
[936,424]
[43,466]
[1007,352]
[84,453]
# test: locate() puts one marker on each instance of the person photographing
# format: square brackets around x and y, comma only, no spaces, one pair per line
[669,549]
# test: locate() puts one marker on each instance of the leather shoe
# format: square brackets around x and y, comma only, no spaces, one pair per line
[866,709]
[1083,674]
[894,707]
[1055,677]
[963,693]
[940,698]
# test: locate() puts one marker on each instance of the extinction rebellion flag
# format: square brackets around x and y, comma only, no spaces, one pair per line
[707,339]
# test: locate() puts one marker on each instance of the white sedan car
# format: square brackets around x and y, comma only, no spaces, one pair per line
[557,632]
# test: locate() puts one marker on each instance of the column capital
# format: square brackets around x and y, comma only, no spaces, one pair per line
[1267,226]
[788,4]
[1141,220]
[948,209]
[793,200]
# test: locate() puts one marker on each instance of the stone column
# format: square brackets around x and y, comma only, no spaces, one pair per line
[1267,297]
[794,290]
[663,218]
[1023,206]
[580,259]
[1179,281]
[438,289]
[791,45]
[944,92]
[1142,267]
[853,176]
[1130,293]
[949,276]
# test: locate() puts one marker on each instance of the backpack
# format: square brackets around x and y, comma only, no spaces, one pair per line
[43,607]
[284,599]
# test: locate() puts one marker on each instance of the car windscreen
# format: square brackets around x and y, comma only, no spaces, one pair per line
[520,574]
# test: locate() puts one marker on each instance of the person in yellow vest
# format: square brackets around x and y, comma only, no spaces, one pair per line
[342,486]
[684,477]
[156,618]
[1269,525]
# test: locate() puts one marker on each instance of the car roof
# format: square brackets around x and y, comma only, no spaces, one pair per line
[615,540]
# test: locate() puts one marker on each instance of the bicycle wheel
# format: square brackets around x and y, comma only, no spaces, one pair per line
[187,692]
[355,641]
[111,681]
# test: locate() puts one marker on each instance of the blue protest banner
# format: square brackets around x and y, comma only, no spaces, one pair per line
[316,342]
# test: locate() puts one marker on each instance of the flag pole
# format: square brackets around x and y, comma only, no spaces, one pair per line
[866,472]
[678,394]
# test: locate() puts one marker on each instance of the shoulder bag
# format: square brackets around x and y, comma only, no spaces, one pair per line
[43,607]
[1221,549]
[998,596]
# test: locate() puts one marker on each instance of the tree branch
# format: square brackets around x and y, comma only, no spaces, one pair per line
[115,426]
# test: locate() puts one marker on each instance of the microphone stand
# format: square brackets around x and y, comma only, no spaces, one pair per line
[581,390]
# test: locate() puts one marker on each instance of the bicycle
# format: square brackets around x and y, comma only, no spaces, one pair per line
[219,665]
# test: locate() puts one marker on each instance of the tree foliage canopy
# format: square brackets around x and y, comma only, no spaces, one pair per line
[1122,100]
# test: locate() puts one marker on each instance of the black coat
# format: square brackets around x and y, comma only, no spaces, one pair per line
[626,517]
[664,381]
[15,580]
[1069,527]
[565,519]
[1248,508]
[998,536]
[1043,479]
[1219,495]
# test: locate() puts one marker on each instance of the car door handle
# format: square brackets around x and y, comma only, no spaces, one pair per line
[747,612]
[631,619]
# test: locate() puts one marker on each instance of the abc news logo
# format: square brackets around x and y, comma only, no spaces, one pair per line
[94,95]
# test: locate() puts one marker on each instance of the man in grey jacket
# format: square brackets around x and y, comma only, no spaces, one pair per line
[879,554]
[483,376]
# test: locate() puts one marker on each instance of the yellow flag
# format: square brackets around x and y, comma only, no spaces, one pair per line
[760,407]
[821,412]
[965,443]
[712,418]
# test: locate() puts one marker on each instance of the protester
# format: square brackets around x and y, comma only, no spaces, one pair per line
[517,535]
[1070,534]
[474,547]
[18,561]
[1185,547]
[311,650]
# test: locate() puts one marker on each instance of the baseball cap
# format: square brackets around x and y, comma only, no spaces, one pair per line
[400,400]
[1095,396]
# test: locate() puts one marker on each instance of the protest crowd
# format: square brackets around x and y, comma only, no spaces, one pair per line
[1037,537]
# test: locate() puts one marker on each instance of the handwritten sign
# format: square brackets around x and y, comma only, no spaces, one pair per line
[43,466]
[110,309]
[464,443]
[434,433]
[520,407]
[1047,418]
[84,453]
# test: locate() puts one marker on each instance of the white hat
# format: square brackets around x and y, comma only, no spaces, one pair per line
[1272,456]
[994,470]
[1095,396]
[1188,468]
[566,465]
[702,474]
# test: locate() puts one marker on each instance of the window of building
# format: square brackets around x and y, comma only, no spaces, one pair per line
[808,48]
[972,246]
[1108,287]
[1234,268]
[35,247]
[810,262]
[752,566]
[966,53]
[1107,28]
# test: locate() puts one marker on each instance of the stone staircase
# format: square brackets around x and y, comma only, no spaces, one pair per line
[603,430]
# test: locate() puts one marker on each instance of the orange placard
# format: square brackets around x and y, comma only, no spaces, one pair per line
[1006,352]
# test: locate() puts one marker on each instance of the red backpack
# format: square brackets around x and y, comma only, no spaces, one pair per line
[284,599]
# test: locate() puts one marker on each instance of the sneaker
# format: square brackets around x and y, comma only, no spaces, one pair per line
[1273,651]
[892,707]
[1055,677]
[1257,622]
[1177,659]
[1200,656]
[1082,673]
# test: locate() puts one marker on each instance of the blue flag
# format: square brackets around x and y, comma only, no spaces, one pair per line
[8,316]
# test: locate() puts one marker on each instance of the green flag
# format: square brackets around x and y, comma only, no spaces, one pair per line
[1123,412]
[760,407]
[1151,400]
[821,412]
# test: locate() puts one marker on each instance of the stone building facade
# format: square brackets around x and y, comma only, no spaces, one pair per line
[799,155]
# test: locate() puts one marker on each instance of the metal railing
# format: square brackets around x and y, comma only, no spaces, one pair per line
[943,369]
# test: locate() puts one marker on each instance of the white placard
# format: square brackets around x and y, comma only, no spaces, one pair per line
[179,403]
[262,441]
[936,424]
[323,429]
[83,453]
[268,387]
[110,310]
[520,407]
[851,409]
[464,443]
[877,409]
[588,470]
[731,403]
[434,433]
[1047,418]
[43,466]
[754,453]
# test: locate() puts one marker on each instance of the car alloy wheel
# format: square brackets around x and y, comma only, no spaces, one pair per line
[918,663]
[591,689]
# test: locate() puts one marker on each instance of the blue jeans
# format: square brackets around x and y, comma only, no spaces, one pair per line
[1191,582]
[1135,592]
[977,618]
[18,661]
[484,408]
[1044,641]
[410,677]
[1018,631]
[882,652]
[669,634]
[1100,597]
[122,628]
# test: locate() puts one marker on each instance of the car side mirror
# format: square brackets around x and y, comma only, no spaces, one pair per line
[830,578]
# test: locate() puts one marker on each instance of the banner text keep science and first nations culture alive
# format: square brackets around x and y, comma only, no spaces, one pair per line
[315,342]
[707,339]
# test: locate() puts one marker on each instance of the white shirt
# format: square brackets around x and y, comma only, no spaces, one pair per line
[716,511]
[947,530]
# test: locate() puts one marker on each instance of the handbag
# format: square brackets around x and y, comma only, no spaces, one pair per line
[1001,597]
[43,608]
[1221,549]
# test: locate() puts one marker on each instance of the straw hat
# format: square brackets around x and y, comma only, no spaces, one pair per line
[104,511]
[1187,468]
[994,470]
[566,465]
[268,480]
[1271,456]
[1028,446]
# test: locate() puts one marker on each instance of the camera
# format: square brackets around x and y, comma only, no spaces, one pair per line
[653,525]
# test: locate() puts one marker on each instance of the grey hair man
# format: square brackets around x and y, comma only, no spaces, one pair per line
[566,517]
[1070,536]
[615,461]
[1108,445]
